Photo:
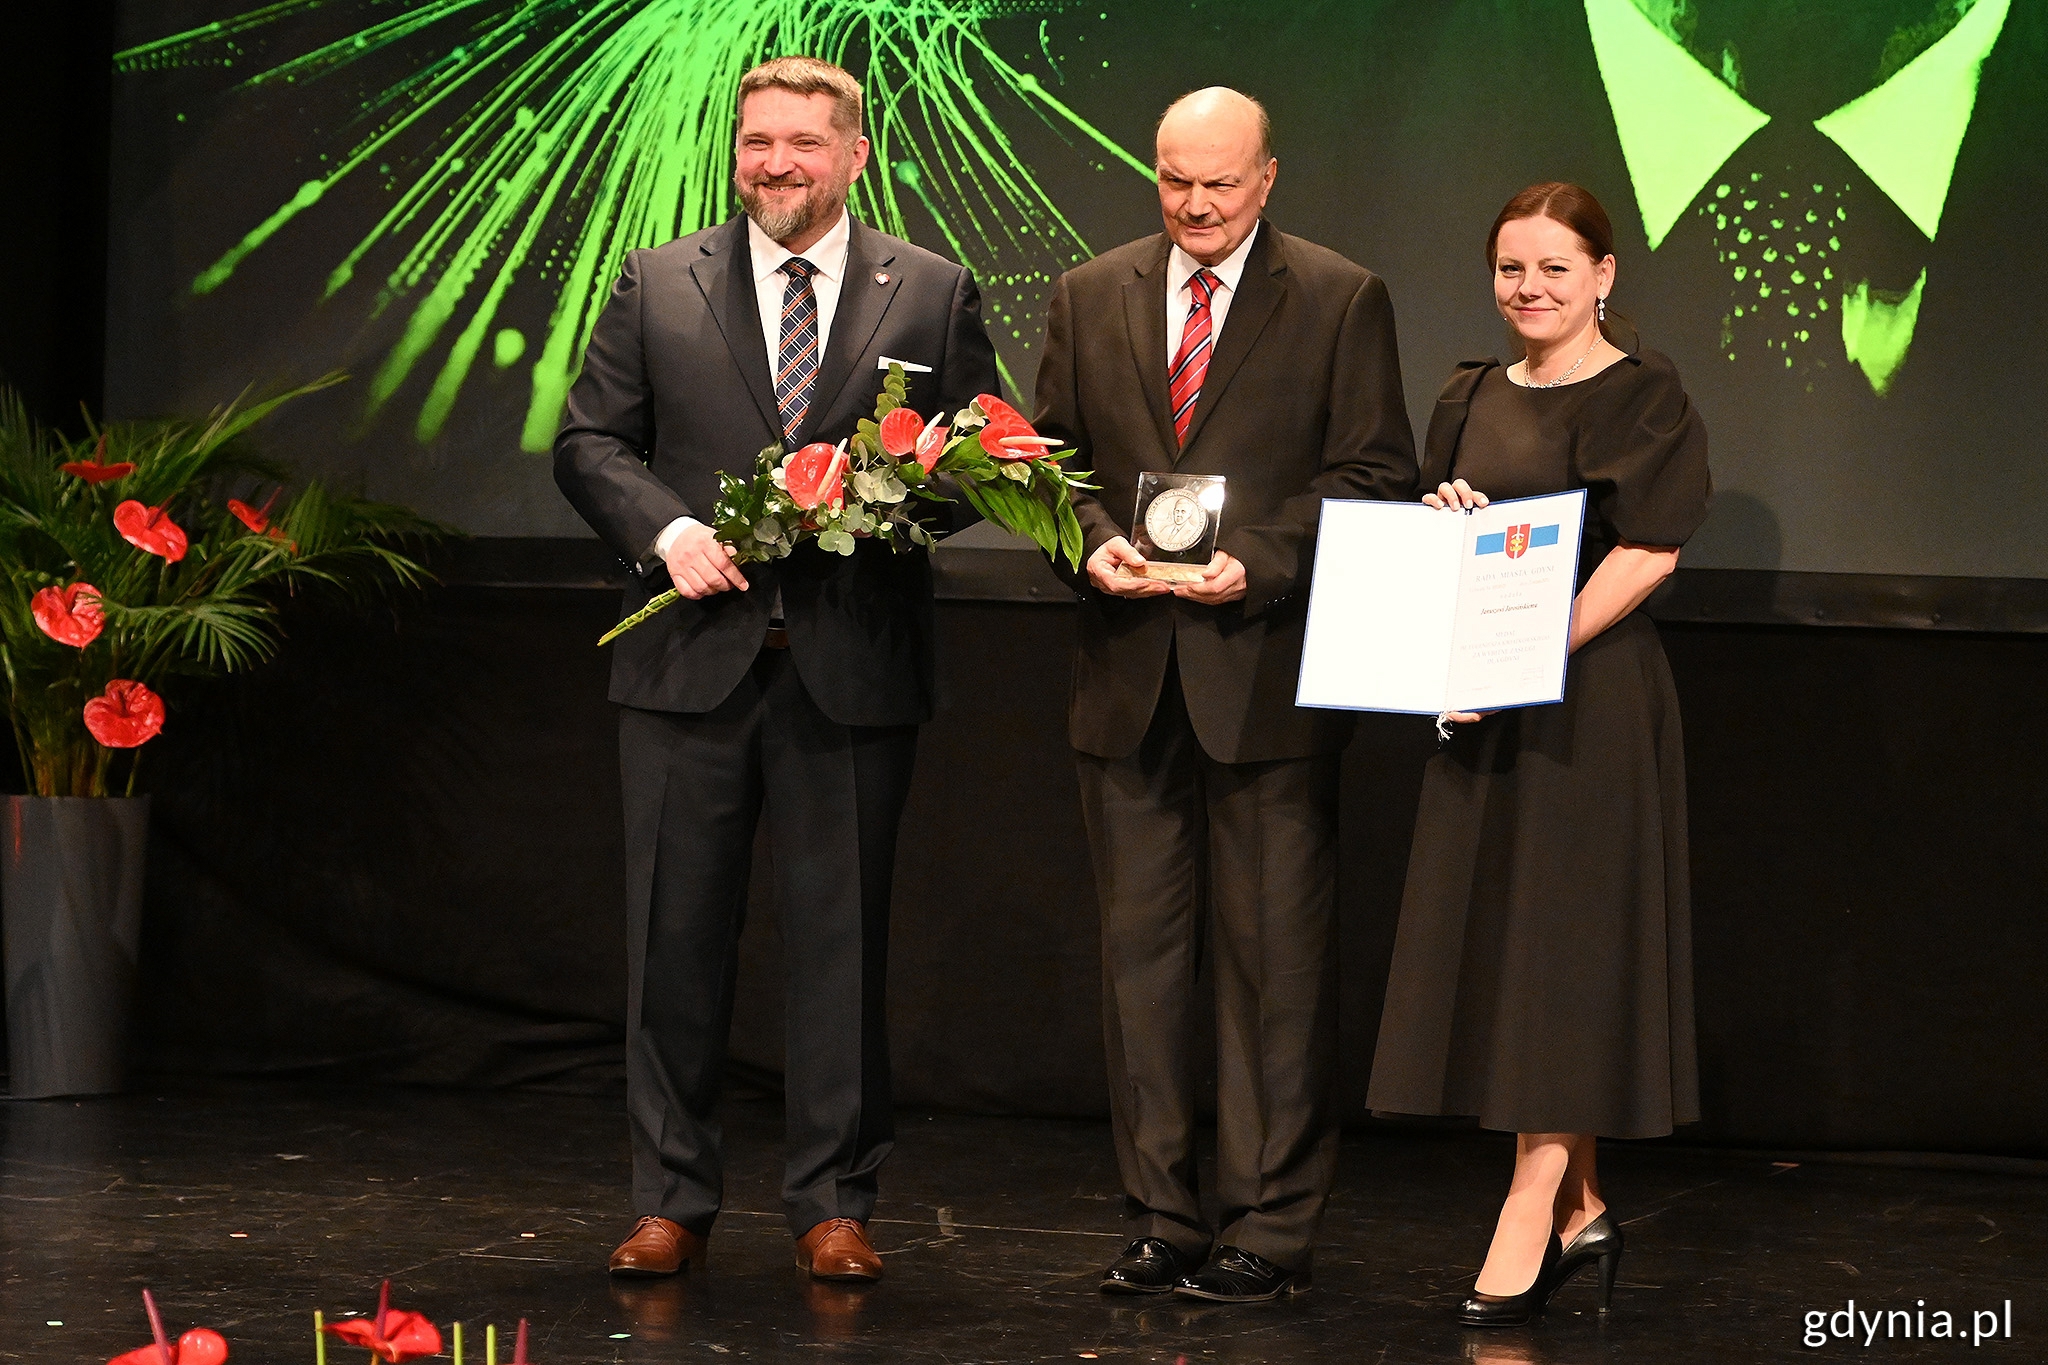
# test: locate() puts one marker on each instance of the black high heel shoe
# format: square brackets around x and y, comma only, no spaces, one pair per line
[1512,1310]
[1600,1240]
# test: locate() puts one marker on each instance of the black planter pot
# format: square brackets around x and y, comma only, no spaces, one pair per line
[71,910]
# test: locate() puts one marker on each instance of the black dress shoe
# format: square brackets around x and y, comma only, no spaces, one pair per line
[1512,1310]
[1600,1240]
[1234,1275]
[1149,1265]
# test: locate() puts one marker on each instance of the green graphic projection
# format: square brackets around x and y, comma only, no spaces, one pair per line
[549,138]
[1681,118]
[1820,206]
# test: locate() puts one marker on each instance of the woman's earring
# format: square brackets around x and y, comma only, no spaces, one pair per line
[1603,308]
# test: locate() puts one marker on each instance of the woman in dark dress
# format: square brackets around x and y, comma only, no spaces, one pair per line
[1542,972]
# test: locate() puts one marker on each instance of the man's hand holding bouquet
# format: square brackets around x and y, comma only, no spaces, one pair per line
[870,485]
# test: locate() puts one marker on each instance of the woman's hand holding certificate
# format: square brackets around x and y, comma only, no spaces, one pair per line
[1457,496]
[1419,612]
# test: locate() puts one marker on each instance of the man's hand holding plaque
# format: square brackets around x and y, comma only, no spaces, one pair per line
[1173,537]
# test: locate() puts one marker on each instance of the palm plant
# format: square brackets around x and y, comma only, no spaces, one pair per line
[125,562]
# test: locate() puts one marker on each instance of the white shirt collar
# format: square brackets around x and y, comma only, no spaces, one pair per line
[1181,267]
[828,253]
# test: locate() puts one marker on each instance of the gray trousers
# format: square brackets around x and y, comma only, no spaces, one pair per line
[695,786]
[1237,860]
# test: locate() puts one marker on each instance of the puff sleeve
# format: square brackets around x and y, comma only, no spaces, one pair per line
[1642,456]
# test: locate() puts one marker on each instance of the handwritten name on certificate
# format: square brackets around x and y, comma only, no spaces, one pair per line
[1415,609]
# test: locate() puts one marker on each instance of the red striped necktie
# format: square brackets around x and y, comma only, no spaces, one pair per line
[1191,365]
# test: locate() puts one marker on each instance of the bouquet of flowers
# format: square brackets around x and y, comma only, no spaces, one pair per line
[869,486]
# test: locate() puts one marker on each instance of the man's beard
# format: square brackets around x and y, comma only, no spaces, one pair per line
[821,205]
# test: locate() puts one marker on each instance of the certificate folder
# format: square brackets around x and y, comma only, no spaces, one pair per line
[1420,610]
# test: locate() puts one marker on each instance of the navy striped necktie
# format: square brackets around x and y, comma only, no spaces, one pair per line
[796,368]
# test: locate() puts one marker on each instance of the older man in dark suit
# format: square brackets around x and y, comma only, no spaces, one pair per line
[797,685]
[1221,346]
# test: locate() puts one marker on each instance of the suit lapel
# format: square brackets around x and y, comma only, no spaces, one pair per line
[725,274]
[1259,290]
[1145,319]
[866,290]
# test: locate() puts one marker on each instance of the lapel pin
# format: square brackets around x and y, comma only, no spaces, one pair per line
[881,277]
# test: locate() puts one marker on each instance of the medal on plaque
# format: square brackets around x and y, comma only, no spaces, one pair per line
[1174,525]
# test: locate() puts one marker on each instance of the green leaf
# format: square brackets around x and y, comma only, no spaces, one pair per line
[1071,539]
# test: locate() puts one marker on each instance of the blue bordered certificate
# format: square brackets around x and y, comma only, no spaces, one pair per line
[1419,610]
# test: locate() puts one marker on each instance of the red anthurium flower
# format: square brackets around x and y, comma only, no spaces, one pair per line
[92,471]
[257,519]
[813,476]
[151,529]
[900,430]
[1008,436]
[126,716]
[200,1346]
[393,1335]
[68,615]
[931,442]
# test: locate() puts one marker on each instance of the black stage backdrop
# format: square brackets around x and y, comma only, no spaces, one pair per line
[395,855]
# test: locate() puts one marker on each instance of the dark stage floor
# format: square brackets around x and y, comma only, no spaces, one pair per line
[247,1210]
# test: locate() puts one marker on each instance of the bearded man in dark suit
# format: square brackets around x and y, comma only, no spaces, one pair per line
[796,685]
[1221,346]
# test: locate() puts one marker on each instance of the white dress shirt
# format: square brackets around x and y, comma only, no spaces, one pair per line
[1180,268]
[828,255]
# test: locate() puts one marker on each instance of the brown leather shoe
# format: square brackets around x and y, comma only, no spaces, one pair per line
[658,1246]
[838,1249]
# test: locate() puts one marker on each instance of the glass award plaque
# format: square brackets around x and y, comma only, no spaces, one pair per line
[1175,523]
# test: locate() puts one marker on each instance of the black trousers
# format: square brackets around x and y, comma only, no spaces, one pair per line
[695,787]
[1171,828]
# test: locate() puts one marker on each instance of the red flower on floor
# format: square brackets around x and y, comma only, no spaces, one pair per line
[393,1335]
[126,716]
[68,615]
[200,1346]
[92,471]
[1008,436]
[150,529]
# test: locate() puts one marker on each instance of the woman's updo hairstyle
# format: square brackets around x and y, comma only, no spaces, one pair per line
[1561,202]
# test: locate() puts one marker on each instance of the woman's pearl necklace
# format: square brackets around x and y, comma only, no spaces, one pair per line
[1529,380]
